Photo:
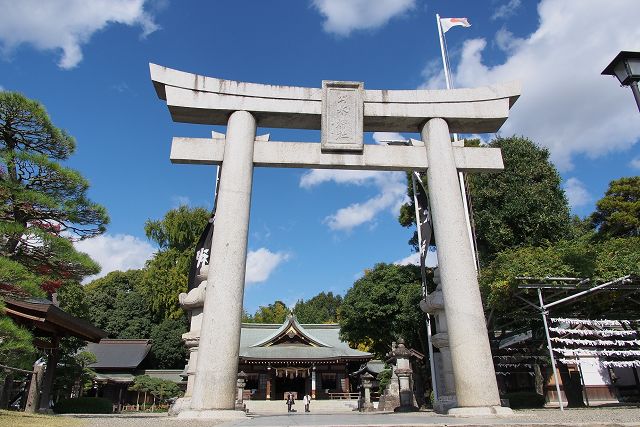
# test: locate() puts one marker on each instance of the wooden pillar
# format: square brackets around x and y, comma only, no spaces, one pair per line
[347,389]
[47,382]
[268,393]
[272,378]
[120,398]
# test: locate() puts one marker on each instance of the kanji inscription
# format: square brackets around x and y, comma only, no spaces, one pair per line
[342,111]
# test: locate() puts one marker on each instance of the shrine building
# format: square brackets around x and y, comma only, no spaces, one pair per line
[299,359]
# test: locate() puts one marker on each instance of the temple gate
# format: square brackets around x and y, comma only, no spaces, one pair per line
[342,111]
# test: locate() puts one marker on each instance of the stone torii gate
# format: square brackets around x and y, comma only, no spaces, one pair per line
[342,111]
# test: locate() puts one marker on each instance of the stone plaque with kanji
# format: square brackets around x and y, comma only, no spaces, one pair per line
[342,112]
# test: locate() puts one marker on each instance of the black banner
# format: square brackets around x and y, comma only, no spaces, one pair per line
[202,255]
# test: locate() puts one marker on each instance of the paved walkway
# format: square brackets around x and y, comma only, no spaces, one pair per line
[629,416]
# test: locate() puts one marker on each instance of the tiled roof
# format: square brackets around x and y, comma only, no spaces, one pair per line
[119,354]
[260,342]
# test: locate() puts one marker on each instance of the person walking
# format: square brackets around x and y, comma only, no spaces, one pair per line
[290,402]
[307,402]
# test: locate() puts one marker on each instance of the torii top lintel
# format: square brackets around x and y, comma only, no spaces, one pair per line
[192,98]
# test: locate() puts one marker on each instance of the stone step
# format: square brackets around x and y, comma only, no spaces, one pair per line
[280,406]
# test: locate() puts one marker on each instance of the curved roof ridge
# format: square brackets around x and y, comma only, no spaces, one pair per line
[291,321]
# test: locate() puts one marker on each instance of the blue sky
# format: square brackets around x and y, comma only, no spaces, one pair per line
[310,231]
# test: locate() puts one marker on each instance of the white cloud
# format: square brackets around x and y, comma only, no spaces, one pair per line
[382,137]
[66,25]
[116,252]
[391,187]
[344,16]
[576,192]
[566,105]
[506,41]
[261,263]
[414,259]
[506,10]
[635,163]
[318,176]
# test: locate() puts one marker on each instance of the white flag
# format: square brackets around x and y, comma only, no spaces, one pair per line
[447,23]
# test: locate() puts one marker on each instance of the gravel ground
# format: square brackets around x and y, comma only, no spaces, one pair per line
[586,417]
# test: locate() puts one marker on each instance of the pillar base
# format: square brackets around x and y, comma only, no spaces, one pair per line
[212,414]
[180,405]
[410,408]
[480,411]
[367,407]
[444,403]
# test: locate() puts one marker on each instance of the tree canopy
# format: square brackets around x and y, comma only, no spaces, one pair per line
[618,212]
[113,298]
[168,350]
[322,308]
[43,205]
[16,344]
[166,274]
[523,205]
[381,307]
[582,257]
[272,313]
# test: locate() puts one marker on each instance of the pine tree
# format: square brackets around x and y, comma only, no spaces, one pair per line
[43,205]
[618,212]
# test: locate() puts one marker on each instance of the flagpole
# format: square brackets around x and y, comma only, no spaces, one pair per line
[444,59]
[463,188]
[424,285]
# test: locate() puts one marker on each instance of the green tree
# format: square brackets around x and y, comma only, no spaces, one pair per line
[43,205]
[24,280]
[168,350]
[523,205]
[16,345]
[74,374]
[166,274]
[272,313]
[73,299]
[164,278]
[381,307]
[618,212]
[583,258]
[141,384]
[111,301]
[163,389]
[83,361]
[322,308]
[180,228]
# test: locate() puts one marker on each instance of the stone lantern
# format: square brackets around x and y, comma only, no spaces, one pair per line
[403,371]
[240,382]
[367,382]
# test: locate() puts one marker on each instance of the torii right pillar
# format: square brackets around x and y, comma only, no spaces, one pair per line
[475,378]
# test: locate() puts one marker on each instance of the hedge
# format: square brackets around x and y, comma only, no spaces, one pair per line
[83,405]
[524,399]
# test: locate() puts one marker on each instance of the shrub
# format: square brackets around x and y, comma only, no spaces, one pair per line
[83,405]
[384,377]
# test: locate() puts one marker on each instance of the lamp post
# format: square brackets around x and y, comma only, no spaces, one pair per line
[626,67]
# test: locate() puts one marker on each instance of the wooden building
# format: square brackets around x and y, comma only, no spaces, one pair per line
[299,359]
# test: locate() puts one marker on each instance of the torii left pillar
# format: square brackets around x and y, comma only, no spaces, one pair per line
[225,290]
